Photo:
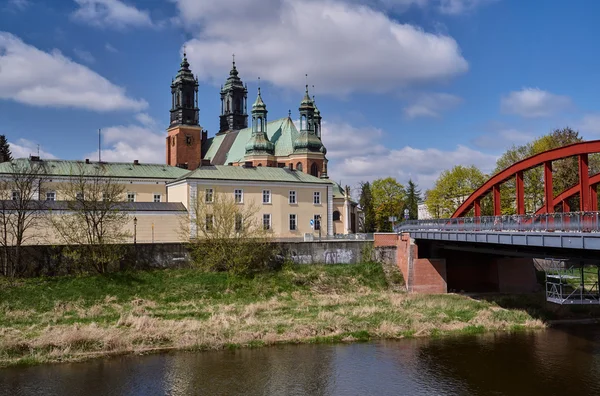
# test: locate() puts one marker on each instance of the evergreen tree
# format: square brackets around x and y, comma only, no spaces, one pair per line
[5,154]
[413,198]
[366,205]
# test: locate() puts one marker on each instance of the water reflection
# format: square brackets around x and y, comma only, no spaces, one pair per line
[558,361]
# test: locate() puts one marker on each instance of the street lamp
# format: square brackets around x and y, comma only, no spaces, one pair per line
[134,230]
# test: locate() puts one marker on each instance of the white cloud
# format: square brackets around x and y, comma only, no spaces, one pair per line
[23,148]
[126,143]
[31,76]
[431,105]
[146,120]
[113,14]
[110,48]
[343,47]
[84,55]
[19,5]
[503,138]
[455,7]
[359,154]
[534,102]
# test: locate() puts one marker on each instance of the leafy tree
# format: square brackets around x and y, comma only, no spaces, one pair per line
[413,198]
[94,227]
[388,200]
[452,188]
[229,237]
[565,171]
[366,205]
[5,154]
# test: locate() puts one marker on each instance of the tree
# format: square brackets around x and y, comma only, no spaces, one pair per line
[413,198]
[5,154]
[565,171]
[366,205]
[21,212]
[94,225]
[452,188]
[388,200]
[229,236]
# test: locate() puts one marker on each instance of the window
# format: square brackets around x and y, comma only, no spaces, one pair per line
[267,221]
[157,197]
[317,221]
[130,197]
[239,196]
[293,223]
[208,195]
[266,196]
[79,196]
[292,197]
[50,196]
[239,222]
[209,222]
[16,195]
[299,166]
[105,197]
[314,170]
[317,198]
[188,140]
[336,215]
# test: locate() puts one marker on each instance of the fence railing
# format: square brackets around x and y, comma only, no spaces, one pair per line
[554,222]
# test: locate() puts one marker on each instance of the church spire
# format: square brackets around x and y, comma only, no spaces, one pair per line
[184,96]
[307,141]
[234,102]
[259,143]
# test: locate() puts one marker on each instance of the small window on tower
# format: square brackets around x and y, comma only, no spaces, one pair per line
[173,141]
[188,140]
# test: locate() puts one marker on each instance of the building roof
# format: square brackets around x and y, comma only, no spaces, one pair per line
[259,173]
[56,167]
[231,147]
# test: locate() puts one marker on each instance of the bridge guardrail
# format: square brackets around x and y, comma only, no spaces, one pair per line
[553,222]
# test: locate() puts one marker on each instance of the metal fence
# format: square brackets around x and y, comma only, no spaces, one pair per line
[562,222]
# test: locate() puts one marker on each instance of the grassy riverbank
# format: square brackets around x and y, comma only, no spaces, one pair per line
[74,318]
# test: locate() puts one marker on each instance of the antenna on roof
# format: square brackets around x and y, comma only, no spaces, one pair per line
[99,145]
[38,147]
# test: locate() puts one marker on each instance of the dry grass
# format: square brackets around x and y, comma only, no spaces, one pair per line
[322,311]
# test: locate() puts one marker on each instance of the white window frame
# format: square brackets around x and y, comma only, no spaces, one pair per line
[156,195]
[295,196]
[50,193]
[267,194]
[317,198]
[295,222]
[315,221]
[269,225]
[209,195]
[129,193]
[238,192]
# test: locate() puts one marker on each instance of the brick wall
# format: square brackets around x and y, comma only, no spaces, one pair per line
[516,275]
[429,276]
[385,239]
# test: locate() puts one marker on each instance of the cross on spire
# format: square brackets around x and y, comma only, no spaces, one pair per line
[184,51]
[233,56]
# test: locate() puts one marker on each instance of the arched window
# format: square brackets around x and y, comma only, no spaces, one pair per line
[259,165]
[314,169]
[259,127]
[299,166]
[336,215]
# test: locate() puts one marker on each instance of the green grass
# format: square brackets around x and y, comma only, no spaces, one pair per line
[75,318]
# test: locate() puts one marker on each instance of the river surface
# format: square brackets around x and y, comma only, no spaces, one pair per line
[560,361]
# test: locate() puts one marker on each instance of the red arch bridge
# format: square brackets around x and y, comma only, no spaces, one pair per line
[503,252]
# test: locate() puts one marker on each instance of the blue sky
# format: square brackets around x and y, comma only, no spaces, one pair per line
[407,88]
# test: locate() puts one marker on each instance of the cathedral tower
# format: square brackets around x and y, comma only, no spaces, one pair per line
[184,140]
[259,149]
[234,103]
[309,152]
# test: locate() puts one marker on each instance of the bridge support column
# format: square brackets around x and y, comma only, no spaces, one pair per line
[477,207]
[594,198]
[520,193]
[548,193]
[497,203]
[516,275]
[584,183]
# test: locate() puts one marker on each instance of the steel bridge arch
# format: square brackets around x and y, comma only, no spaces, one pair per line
[586,189]
[564,196]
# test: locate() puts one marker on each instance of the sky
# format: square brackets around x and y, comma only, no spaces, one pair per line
[406,88]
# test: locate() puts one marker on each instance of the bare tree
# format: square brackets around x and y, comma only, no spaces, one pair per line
[229,236]
[22,208]
[93,223]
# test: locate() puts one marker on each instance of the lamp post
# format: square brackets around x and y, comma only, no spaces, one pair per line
[135,230]
[318,225]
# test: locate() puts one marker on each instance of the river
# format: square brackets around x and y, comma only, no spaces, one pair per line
[560,361]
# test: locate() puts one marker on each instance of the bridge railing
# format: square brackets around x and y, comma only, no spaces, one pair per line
[554,222]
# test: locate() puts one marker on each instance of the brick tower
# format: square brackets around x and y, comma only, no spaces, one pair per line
[185,135]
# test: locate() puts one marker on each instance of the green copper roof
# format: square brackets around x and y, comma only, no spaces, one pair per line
[259,104]
[111,169]
[282,133]
[260,173]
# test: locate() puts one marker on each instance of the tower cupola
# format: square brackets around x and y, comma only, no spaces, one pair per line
[259,143]
[184,96]
[234,103]
[307,140]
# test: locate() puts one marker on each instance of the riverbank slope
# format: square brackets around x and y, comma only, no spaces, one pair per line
[76,318]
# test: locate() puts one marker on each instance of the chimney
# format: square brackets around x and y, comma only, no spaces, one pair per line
[34,157]
[205,162]
[136,162]
[87,160]
[204,135]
